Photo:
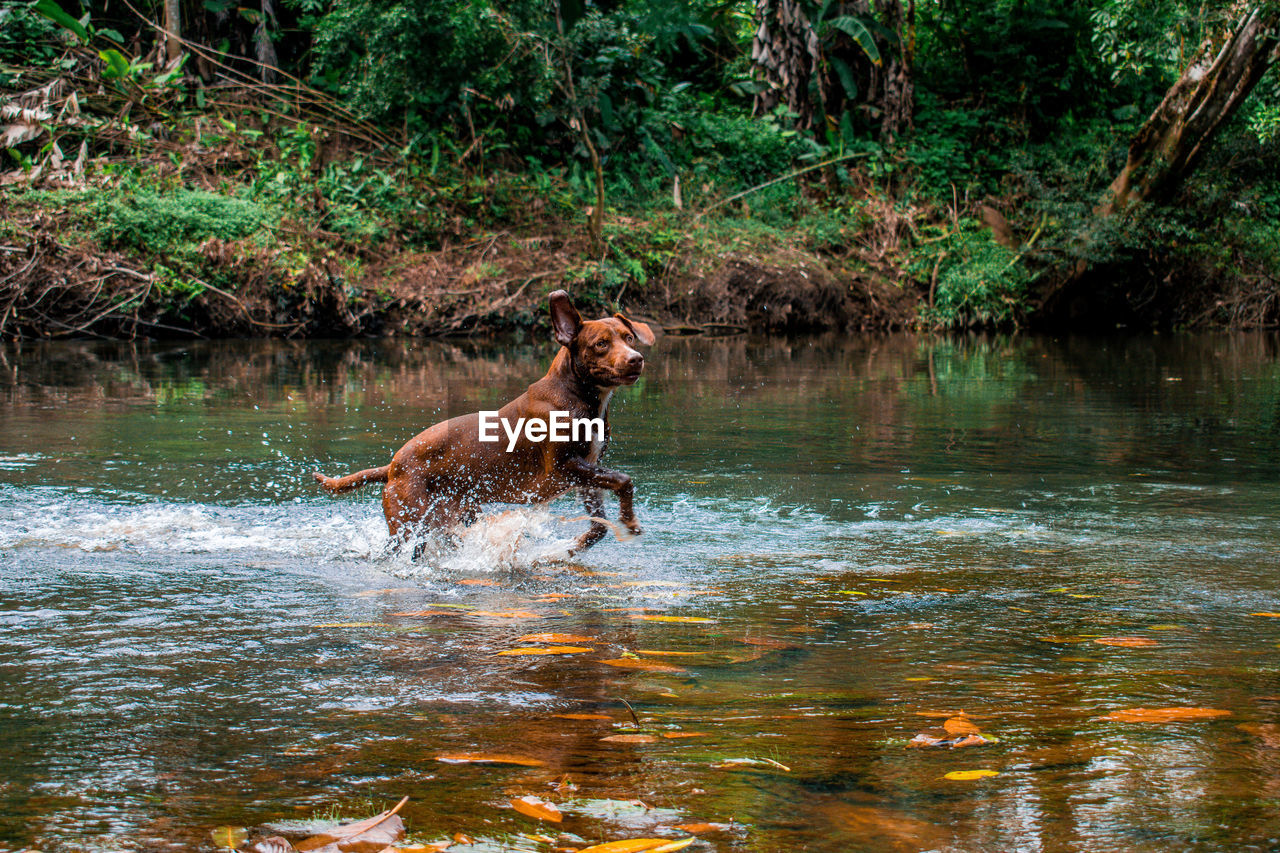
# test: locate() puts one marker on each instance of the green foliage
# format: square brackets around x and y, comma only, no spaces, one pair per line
[159,222]
[25,37]
[974,280]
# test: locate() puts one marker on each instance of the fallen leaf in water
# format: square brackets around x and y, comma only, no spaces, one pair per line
[647,666]
[639,845]
[630,739]
[1268,732]
[478,582]
[371,592]
[229,836]
[537,808]
[960,726]
[675,735]
[965,775]
[1127,642]
[850,592]
[556,638]
[1081,595]
[354,625]
[273,844]
[544,650]
[1164,627]
[696,828]
[552,596]
[918,678]
[488,758]
[698,619]
[1266,613]
[767,643]
[659,652]
[372,834]
[463,838]
[1163,715]
[506,614]
[583,716]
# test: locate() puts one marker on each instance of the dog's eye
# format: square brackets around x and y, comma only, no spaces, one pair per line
[602,345]
[629,339]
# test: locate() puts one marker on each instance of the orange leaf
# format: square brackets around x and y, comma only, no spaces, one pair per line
[686,619]
[675,735]
[505,614]
[553,596]
[583,716]
[556,638]
[1163,715]
[488,758]
[537,808]
[478,582]
[632,663]
[658,652]
[547,650]
[417,613]
[637,845]
[1127,642]
[959,726]
[630,739]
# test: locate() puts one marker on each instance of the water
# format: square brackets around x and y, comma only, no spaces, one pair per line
[884,532]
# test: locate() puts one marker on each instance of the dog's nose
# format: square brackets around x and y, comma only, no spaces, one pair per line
[635,361]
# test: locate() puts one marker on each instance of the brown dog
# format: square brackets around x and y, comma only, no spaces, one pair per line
[440,478]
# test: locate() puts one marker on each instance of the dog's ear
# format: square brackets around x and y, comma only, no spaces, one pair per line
[564,318]
[642,332]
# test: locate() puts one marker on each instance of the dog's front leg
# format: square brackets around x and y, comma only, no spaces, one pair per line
[592,476]
[593,500]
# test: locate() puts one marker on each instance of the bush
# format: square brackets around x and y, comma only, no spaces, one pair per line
[979,282]
[158,222]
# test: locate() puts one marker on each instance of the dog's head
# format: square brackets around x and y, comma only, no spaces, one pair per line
[603,349]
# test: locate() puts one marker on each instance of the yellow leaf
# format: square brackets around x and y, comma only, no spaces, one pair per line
[229,836]
[547,650]
[1265,613]
[583,716]
[965,775]
[640,845]
[537,808]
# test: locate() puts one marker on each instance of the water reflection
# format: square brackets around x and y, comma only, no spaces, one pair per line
[883,532]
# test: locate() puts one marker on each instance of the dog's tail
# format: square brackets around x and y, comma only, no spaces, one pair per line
[351,482]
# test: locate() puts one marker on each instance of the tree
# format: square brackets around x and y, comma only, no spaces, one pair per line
[1169,146]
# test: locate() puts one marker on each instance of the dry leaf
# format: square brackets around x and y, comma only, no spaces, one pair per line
[640,845]
[965,775]
[478,582]
[659,652]
[505,614]
[647,666]
[367,836]
[556,638]
[1163,715]
[537,808]
[273,844]
[676,735]
[960,726]
[1127,642]
[488,758]
[583,717]
[547,650]
[630,739]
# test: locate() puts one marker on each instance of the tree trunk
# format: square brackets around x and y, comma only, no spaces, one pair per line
[173,30]
[1174,139]
[786,50]
[265,47]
